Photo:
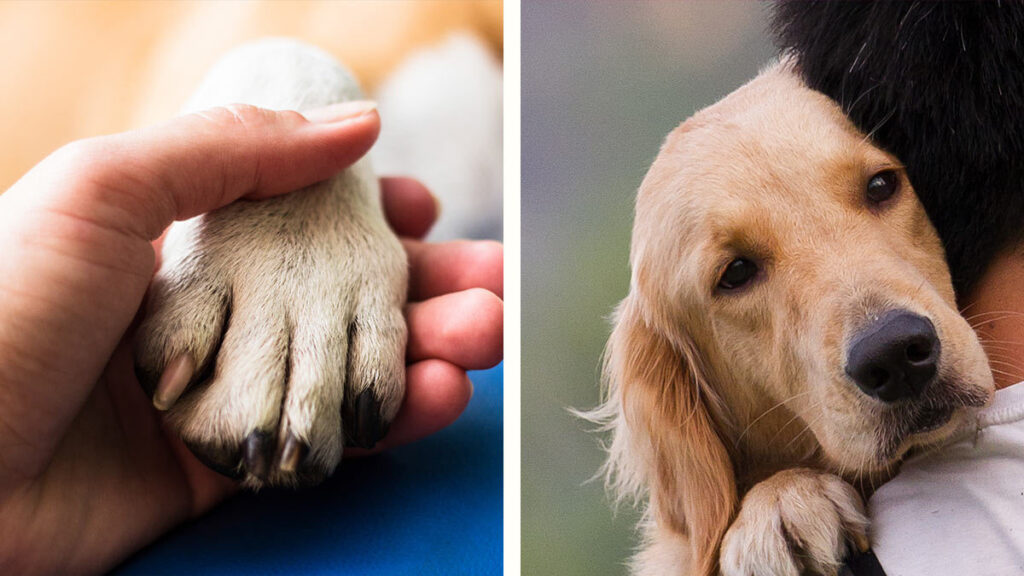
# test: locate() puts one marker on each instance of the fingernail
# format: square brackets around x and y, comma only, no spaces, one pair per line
[340,111]
[437,206]
[173,381]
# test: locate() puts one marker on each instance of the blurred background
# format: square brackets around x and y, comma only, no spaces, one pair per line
[602,84]
[74,69]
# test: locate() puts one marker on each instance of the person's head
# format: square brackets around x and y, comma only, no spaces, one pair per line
[941,86]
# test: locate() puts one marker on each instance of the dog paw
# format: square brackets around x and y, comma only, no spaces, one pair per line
[797,522]
[274,334]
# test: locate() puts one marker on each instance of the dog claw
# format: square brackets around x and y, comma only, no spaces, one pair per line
[254,453]
[363,423]
[292,454]
[221,459]
[175,378]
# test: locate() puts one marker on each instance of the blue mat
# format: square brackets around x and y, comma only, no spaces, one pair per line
[433,507]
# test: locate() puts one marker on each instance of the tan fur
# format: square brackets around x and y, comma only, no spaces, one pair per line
[817,511]
[713,398]
[664,401]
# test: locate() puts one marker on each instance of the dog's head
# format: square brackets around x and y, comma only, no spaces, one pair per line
[790,304]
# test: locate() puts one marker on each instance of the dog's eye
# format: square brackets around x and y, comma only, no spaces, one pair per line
[737,273]
[883,186]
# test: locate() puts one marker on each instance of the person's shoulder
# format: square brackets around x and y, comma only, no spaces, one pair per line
[946,505]
[1007,408]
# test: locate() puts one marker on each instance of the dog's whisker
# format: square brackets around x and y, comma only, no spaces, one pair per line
[765,413]
[786,425]
[1006,342]
[807,427]
[1009,371]
[989,312]
[1000,314]
[1002,361]
[1005,356]
[1004,372]
[1007,368]
[967,307]
[1004,345]
[1014,375]
[980,325]
[979,328]
[996,348]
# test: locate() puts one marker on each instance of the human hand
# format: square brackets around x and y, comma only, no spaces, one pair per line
[87,474]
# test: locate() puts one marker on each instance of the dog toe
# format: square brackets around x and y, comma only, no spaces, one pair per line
[796,522]
[363,423]
[177,342]
[221,458]
[375,381]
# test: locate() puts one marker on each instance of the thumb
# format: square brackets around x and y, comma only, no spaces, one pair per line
[75,232]
[141,181]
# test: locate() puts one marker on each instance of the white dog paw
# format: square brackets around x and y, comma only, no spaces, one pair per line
[274,332]
[796,522]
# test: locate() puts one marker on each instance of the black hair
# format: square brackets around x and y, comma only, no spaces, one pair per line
[941,86]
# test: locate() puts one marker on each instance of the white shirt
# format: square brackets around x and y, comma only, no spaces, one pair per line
[958,510]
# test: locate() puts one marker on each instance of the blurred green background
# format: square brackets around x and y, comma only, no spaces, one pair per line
[602,84]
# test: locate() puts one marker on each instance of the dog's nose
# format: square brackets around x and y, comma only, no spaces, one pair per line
[895,357]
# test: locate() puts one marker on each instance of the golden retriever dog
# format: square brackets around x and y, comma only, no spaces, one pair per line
[789,336]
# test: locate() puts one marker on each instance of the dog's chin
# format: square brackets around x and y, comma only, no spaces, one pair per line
[929,427]
[926,423]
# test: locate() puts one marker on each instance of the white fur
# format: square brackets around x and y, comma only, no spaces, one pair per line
[296,276]
[441,123]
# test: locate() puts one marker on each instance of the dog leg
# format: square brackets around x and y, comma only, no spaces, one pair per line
[274,329]
[796,522]
[663,552]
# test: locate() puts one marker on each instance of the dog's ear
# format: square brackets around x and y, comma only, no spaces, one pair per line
[665,440]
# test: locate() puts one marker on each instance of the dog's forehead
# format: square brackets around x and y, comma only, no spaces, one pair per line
[773,125]
[771,141]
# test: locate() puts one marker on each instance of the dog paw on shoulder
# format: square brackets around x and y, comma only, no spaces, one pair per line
[798,521]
